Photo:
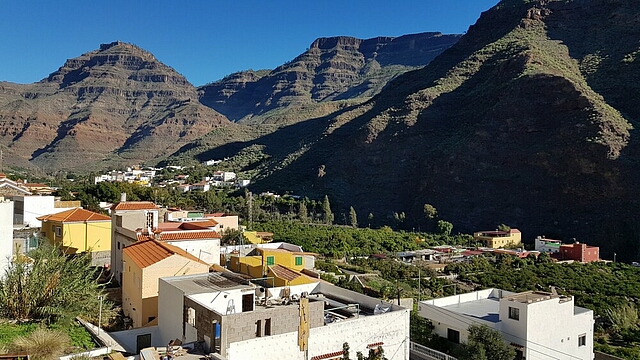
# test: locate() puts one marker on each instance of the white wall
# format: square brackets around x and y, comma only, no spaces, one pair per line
[208,250]
[128,338]
[283,347]
[6,234]
[220,301]
[561,342]
[34,207]
[392,329]
[170,312]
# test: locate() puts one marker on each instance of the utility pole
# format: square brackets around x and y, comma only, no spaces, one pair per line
[250,210]
[100,315]
[419,277]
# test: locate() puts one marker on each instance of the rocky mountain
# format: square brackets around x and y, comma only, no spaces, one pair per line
[117,104]
[528,120]
[332,69]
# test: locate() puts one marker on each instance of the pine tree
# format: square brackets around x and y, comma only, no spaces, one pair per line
[326,208]
[303,213]
[353,217]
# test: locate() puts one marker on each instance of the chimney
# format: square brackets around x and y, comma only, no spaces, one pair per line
[123,197]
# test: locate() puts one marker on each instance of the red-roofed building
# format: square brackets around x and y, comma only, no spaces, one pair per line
[144,263]
[126,218]
[579,252]
[78,230]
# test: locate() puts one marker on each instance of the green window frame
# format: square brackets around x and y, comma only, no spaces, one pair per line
[298,260]
[271,260]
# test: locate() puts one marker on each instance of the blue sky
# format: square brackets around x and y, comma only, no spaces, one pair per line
[205,40]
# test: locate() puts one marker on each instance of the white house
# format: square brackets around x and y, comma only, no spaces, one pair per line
[28,208]
[6,234]
[539,325]
[240,320]
[547,245]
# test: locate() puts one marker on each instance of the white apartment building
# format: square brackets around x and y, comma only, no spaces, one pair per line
[539,325]
[240,320]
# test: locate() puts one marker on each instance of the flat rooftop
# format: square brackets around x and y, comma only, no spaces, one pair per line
[483,309]
[211,282]
[529,297]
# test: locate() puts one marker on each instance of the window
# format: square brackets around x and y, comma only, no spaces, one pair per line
[298,260]
[582,340]
[514,313]
[267,327]
[270,260]
[259,328]
[58,231]
[118,245]
[191,316]
[119,220]
[453,336]
[150,219]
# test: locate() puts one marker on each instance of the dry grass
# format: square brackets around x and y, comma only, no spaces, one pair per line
[42,344]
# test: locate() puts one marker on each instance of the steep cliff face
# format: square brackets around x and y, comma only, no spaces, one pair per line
[337,68]
[528,120]
[117,102]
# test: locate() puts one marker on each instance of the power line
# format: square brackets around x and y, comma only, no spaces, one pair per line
[468,322]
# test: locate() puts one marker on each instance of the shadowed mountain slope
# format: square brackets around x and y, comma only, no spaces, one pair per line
[528,120]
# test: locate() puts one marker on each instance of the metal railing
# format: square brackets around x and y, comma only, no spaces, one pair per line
[428,353]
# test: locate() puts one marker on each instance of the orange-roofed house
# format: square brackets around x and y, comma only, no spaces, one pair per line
[143,264]
[78,230]
[499,239]
[126,218]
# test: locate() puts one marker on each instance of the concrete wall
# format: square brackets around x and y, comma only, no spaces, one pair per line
[227,222]
[6,234]
[128,338]
[544,341]
[170,312]
[29,208]
[207,250]
[391,329]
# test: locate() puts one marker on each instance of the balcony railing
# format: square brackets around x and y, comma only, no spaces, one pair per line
[422,352]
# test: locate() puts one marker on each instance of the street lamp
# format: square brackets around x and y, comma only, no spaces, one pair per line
[614,257]
[454,288]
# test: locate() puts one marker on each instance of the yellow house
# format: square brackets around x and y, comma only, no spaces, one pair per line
[284,266]
[283,276]
[499,239]
[78,230]
[258,237]
[144,263]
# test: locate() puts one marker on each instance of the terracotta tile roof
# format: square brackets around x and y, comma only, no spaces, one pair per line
[283,272]
[328,355]
[181,235]
[187,225]
[375,345]
[75,215]
[149,252]
[189,235]
[134,205]
[214,215]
